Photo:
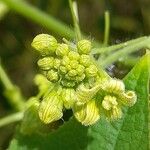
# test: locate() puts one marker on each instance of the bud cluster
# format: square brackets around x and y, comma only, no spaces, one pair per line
[76,83]
[61,63]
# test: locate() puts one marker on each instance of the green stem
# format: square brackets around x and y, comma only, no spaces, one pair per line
[74,12]
[12,92]
[39,17]
[5,79]
[124,52]
[129,60]
[107,28]
[117,46]
[11,118]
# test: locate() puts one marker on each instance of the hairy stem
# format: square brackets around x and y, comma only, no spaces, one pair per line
[124,52]
[11,118]
[74,12]
[43,19]
[39,17]
[12,92]
[5,79]
[107,28]
[117,46]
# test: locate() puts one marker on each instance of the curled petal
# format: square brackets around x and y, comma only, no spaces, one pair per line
[129,98]
[85,94]
[87,114]
[114,86]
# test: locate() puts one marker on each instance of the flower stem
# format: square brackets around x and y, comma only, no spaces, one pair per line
[109,49]
[11,118]
[43,19]
[74,12]
[5,79]
[12,92]
[124,52]
[107,28]
[39,17]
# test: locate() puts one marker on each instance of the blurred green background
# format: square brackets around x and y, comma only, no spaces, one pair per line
[129,19]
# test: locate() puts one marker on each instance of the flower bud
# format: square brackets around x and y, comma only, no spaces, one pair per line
[50,109]
[65,61]
[63,69]
[72,73]
[80,69]
[42,83]
[84,46]
[52,76]
[69,96]
[80,78]
[114,86]
[73,55]
[62,50]
[91,71]
[46,63]
[67,83]
[87,114]
[45,44]
[74,64]
[129,98]
[57,63]
[85,60]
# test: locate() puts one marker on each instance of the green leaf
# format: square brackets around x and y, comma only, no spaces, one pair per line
[129,133]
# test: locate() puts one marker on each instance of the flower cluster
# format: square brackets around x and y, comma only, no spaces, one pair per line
[72,81]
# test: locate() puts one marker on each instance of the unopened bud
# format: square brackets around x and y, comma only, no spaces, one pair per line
[91,71]
[56,63]
[87,114]
[52,76]
[73,55]
[50,109]
[84,46]
[68,83]
[69,97]
[62,50]
[45,44]
[80,69]
[46,63]
[85,60]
